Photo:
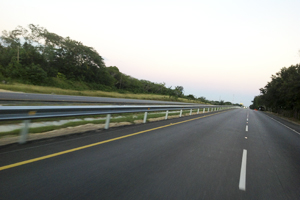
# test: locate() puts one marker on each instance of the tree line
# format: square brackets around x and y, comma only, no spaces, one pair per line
[40,57]
[282,93]
[37,56]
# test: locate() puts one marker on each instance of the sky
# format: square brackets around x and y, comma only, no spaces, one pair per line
[218,49]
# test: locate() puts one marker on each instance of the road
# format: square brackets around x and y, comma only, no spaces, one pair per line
[235,154]
[9,97]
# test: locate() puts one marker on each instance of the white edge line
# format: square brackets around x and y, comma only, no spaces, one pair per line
[242,184]
[285,126]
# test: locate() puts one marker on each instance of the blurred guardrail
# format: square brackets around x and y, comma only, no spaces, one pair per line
[28,113]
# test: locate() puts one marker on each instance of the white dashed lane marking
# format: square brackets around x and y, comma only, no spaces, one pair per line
[242,184]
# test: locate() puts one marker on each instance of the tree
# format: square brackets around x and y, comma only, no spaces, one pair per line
[281,94]
[53,54]
[257,102]
[191,97]
[178,91]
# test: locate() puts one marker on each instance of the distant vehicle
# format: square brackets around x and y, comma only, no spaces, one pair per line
[261,108]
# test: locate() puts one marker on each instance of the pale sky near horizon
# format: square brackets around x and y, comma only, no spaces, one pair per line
[222,50]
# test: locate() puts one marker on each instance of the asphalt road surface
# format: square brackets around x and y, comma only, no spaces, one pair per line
[235,154]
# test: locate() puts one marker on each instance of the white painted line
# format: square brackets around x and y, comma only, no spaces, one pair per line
[286,126]
[246,128]
[242,184]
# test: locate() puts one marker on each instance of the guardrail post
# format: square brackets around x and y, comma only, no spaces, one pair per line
[207,109]
[107,121]
[180,115]
[198,111]
[24,132]
[191,111]
[145,117]
[203,110]
[167,114]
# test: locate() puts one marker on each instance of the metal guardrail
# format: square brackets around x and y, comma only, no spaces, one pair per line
[28,113]
[35,112]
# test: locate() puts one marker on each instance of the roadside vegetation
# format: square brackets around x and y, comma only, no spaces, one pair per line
[282,94]
[34,57]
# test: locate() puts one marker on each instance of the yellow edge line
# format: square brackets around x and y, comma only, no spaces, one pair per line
[95,144]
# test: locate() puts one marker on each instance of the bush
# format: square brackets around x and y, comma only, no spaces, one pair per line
[14,70]
[35,74]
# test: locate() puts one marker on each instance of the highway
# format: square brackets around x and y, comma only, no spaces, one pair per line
[233,154]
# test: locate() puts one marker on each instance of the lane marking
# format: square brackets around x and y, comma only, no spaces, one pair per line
[246,128]
[97,143]
[285,126]
[242,184]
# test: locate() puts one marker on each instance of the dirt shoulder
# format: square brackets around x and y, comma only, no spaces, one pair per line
[2,90]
